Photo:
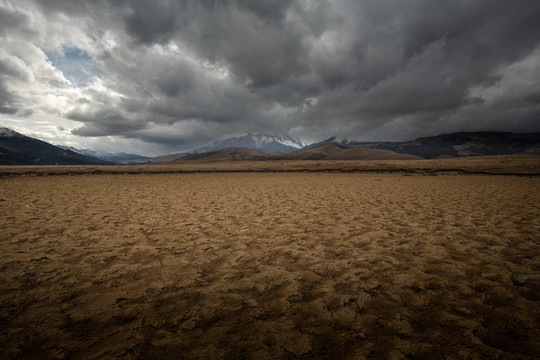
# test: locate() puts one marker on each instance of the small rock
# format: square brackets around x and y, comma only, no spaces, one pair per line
[385,209]
[41,258]
[29,269]
[519,278]
[178,252]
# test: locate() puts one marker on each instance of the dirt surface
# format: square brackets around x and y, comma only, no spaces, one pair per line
[269,265]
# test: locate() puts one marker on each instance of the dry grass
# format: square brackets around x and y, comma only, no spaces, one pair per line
[510,164]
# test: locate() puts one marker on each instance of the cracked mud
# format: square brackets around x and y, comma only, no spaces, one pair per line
[273,265]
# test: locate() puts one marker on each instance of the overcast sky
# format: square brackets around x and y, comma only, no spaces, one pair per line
[156,77]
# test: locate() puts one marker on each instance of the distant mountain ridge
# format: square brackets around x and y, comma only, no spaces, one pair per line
[267,142]
[104,155]
[456,144]
[18,149]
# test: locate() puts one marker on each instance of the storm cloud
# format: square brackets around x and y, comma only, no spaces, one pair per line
[176,75]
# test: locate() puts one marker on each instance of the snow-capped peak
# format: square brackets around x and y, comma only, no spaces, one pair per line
[269,142]
[263,139]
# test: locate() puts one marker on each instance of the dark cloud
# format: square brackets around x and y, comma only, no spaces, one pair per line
[438,51]
[151,21]
[8,101]
[266,10]
[12,71]
[13,21]
[198,70]
[100,122]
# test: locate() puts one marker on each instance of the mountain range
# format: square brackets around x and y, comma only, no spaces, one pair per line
[106,156]
[18,149]
[267,142]
[457,144]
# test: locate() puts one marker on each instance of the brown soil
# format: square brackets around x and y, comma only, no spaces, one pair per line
[269,265]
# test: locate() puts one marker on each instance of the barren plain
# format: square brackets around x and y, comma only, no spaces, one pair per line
[261,263]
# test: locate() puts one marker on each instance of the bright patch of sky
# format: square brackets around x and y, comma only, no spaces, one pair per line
[76,65]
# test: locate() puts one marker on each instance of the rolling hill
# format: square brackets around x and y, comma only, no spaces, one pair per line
[234,154]
[364,153]
[328,151]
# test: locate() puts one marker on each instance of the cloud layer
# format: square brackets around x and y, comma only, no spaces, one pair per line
[169,75]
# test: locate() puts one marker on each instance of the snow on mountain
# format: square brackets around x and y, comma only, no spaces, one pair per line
[268,142]
[5,132]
